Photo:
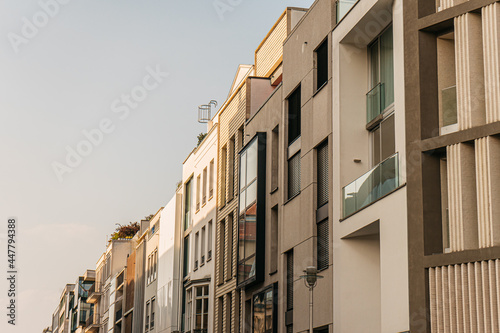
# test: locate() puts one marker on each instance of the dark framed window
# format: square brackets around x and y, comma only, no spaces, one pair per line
[294,115]
[381,59]
[322,64]
[201,309]
[265,311]
[186,256]
[322,174]
[251,220]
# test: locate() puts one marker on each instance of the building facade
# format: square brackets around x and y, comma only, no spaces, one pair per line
[198,233]
[452,88]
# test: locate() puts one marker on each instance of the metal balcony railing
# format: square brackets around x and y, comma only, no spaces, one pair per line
[375,102]
[95,319]
[373,185]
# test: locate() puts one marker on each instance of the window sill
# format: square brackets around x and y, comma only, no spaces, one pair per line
[287,201]
[203,205]
[273,272]
[274,190]
[210,198]
[320,88]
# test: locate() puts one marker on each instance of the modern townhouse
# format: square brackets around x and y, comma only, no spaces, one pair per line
[73,312]
[452,88]
[151,239]
[305,210]
[108,292]
[369,196]
[198,233]
[240,256]
[169,284]
[81,312]
[60,317]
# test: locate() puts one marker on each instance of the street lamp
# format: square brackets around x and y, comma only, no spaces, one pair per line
[310,280]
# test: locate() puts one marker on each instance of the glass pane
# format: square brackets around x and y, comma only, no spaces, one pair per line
[374,74]
[242,201]
[250,267]
[388,143]
[199,303]
[343,6]
[251,194]
[198,322]
[251,162]
[205,321]
[387,66]
[205,290]
[250,230]
[374,184]
[258,314]
[199,291]
[449,105]
[376,159]
[269,310]
[241,238]
[205,305]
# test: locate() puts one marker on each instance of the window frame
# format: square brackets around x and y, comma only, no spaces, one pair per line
[274,311]
[259,263]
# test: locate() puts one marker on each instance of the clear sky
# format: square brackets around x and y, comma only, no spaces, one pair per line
[68,73]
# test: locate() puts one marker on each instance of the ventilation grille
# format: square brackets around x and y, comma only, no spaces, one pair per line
[294,175]
[322,244]
[289,281]
[322,174]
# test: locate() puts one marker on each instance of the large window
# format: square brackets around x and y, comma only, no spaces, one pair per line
[211,181]
[383,140]
[186,256]
[201,310]
[381,59]
[294,115]
[322,64]
[251,210]
[264,316]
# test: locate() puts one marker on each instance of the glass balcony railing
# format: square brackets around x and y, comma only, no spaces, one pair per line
[449,105]
[372,186]
[375,102]
[343,6]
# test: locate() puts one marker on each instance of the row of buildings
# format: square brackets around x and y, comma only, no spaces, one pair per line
[363,141]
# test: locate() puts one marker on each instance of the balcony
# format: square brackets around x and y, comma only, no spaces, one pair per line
[95,293]
[373,185]
[375,102]
[343,7]
[92,324]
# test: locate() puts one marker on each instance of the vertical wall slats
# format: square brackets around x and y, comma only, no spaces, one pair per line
[491,47]
[465,297]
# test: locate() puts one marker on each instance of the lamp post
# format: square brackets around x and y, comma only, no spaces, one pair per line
[310,280]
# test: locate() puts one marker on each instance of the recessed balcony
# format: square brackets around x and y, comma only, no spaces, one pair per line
[370,187]
[95,293]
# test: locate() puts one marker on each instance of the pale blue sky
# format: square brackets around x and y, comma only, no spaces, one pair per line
[62,81]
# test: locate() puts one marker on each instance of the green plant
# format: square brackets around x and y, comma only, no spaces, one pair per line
[200,137]
[125,231]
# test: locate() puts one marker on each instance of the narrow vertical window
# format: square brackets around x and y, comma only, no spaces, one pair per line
[231,165]
[294,115]
[222,249]
[202,246]
[223,175]
[195,255]
[186,256]
[209,241]
[146,324]
[321,55]
[274,257]
[211,181]
[152,323]
[230,246]
[198,192]
[220,315]
[204,187]
[275,158]
[229,312]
